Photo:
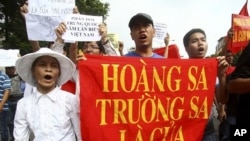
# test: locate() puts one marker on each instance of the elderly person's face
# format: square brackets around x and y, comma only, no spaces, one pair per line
[46,71]
[102,29]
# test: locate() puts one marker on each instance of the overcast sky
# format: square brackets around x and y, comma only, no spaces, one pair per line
[214,16]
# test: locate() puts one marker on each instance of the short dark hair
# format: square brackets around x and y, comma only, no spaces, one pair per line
[99,44]
[101,47]
[9,67]
[191,32]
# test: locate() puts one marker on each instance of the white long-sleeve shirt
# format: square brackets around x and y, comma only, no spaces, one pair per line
[51,117]
[110,49]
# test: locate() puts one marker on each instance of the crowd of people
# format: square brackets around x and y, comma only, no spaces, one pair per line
[42,75]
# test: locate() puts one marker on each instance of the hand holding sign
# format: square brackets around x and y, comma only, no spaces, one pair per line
[24,9]
[167,39]
[60,30]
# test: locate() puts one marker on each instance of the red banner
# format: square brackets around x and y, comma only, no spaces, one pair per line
[235,45]
[241,26]
[173,51]
[244,10]
[145,99]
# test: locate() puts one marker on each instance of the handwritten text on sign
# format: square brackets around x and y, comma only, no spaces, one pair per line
[51,7]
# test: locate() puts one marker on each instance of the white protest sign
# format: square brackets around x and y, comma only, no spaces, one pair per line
[161,31]
[51,7]
[82,27]
[8,57]
[41,28]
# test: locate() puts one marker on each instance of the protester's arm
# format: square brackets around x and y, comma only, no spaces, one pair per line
[239,85]
[121,46]
[216,103]
[222,68]
[166,41]
[73,50]
[24,10]
[222,112]
[75,115]
[6,94]
[220,107]
[103,32]
[222,93]
[34,45]
[59,42]
[21,128]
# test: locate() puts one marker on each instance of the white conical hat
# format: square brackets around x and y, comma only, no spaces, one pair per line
[24,64]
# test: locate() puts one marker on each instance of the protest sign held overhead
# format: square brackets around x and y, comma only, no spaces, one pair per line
[41,28]
[82,27]
[241,26]
[44,16]
[161,31]
[51,7]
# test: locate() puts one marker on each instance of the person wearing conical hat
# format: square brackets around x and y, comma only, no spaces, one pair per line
[49,113]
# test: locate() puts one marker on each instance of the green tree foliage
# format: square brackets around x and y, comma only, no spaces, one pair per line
[13,25]
[93,7]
